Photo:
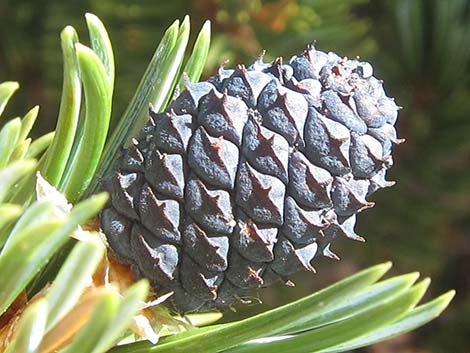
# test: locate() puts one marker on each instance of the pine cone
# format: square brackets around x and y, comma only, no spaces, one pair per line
[248,176]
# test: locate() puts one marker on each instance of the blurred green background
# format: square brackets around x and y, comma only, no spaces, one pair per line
[420,48]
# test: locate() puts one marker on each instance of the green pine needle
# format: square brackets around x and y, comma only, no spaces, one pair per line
[7,89]
[53,166]
[31,329]
[87,150]
[9,136]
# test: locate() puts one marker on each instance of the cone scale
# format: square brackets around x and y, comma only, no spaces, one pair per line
[247,177]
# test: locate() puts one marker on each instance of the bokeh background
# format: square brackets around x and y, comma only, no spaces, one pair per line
[420,48]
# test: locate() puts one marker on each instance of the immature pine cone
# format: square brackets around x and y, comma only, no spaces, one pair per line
[246,177]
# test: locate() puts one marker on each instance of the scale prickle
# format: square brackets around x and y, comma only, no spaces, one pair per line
[250,175]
